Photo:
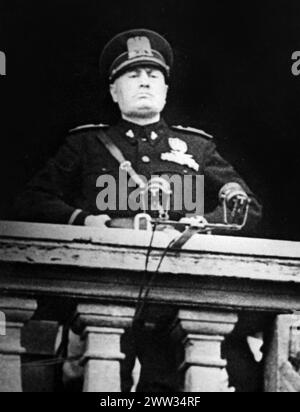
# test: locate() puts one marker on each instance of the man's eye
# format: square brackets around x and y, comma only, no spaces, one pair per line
[132,75]
[155,74]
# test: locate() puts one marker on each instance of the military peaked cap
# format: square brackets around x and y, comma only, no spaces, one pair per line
[135,48]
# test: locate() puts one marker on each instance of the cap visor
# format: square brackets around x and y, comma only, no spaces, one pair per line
[140,62]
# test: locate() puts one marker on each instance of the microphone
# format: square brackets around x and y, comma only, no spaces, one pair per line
[234,198]
[231,193]
[159,190]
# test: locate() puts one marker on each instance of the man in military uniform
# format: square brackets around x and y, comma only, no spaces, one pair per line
[138,64]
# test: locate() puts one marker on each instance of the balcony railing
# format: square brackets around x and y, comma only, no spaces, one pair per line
[95,276]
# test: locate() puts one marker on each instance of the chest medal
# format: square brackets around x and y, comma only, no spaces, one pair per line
[178,154]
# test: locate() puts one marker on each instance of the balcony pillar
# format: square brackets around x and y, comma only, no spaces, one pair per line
[201,334]
[101,327]
[14,314]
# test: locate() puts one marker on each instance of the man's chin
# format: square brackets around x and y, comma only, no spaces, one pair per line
[142,113]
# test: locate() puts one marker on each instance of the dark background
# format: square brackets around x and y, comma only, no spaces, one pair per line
[232,77]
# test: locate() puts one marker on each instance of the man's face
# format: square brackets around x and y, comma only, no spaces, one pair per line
[140,92]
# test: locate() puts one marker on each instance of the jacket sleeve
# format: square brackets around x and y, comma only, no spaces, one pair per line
[48,196]
[218,172]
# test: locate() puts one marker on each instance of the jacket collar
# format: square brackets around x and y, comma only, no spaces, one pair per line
[152,132]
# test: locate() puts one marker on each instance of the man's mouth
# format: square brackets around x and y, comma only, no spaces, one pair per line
[144,95]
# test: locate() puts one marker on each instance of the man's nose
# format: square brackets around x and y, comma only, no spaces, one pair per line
[144,78]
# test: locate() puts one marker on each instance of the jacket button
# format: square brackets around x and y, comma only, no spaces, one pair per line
[146,159]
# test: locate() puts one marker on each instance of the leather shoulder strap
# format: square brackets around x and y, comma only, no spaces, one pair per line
[111,147]
[118,155]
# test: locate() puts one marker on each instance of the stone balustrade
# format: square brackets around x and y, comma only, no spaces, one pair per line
[95,275]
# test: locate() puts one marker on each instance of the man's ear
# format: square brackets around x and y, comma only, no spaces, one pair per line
[167,90]
[113,92]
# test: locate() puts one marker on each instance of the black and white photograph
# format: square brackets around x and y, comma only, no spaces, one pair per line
[149,212]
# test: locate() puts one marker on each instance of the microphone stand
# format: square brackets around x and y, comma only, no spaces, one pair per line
[197,224]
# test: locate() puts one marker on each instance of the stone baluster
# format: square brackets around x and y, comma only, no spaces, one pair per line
[15,313]
[201,333]
[101,326]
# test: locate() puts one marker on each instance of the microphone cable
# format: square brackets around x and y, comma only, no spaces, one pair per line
[144,281]
[51,361]
[147,286]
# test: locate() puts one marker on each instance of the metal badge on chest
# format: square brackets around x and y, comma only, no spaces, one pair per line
[178,154]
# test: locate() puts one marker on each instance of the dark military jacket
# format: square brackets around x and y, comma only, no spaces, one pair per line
[68,182]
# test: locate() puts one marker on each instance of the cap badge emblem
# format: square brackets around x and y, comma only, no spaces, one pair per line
[178,154]
[139,46]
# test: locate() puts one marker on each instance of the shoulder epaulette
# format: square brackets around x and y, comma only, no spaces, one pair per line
[89,126]
[193,130]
